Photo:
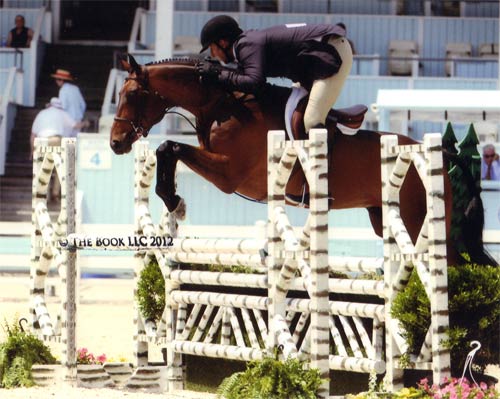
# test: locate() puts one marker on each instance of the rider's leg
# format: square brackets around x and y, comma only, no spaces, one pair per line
[325,92]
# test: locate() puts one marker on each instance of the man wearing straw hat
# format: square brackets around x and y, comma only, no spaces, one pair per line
[70,95]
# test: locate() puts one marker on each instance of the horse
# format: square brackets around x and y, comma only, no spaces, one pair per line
[232,133]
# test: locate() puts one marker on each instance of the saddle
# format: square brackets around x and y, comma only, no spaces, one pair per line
[350,117]
[346,120]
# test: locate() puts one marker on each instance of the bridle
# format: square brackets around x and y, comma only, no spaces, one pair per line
[138,129]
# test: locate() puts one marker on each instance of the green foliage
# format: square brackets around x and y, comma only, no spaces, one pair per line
[468,152]
[18,374]
[17,354]
[151,286]
[272,379]
[462,192]
[150,293]
[461,199]
[220,268]
[449,139]
[473,297]
[412,308]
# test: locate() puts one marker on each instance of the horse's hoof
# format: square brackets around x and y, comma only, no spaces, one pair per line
[180,210]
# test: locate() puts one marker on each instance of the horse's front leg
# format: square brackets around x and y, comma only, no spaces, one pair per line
[213,167]
[166,159]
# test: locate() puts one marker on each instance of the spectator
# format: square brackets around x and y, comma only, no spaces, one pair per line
[54,123]
[70,95]
[20,36]
[490,164]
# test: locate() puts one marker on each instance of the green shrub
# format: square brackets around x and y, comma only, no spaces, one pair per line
[151,292]
[17,354]
[272,379]
[473,297]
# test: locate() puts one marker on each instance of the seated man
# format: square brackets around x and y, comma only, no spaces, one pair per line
[490,164]
[20,36]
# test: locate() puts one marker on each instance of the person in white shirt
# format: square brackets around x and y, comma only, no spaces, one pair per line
[54,123]
[70,95]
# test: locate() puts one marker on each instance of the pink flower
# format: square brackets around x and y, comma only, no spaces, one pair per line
[101,359]
[85,357]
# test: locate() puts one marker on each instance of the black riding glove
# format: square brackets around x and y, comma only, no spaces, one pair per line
[209,70]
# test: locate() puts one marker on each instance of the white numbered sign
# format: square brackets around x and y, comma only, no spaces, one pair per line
[95,154]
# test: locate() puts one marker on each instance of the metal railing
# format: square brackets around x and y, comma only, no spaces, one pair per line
[11,94]
[7,53]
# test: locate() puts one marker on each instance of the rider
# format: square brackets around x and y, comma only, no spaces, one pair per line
[319,57]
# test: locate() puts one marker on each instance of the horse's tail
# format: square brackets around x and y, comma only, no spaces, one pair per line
[473,219]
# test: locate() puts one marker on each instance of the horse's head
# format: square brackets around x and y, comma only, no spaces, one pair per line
[150,90]
[139,108]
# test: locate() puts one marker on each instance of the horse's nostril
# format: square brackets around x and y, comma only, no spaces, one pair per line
[115,144]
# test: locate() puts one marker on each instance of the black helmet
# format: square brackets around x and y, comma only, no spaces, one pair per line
[219,27]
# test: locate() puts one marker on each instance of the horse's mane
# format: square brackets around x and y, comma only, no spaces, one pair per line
[181,61]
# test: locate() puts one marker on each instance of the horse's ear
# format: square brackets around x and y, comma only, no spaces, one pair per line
[126,66]
[134,66]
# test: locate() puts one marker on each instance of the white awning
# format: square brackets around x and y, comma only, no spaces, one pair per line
[459,106]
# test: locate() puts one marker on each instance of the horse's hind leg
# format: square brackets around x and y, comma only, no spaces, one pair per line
[375,214]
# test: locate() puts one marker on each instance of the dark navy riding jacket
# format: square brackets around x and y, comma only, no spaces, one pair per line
[299,52]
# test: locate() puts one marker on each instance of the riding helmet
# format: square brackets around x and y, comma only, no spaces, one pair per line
[219,27]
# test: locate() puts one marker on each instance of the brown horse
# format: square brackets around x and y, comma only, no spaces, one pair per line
[232,133]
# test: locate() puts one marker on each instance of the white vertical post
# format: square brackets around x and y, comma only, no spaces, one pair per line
[437,257]
[390,200]
[38,194]
[164,44]
[68,297]
[276,198]
[56,19]
[141,348]
[318,208]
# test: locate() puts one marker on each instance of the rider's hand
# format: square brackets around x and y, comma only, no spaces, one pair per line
[208,71]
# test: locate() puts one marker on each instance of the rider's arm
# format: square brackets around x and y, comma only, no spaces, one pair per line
[250,76]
